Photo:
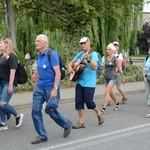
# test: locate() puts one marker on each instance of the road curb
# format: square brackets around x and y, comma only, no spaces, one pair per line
[71,100]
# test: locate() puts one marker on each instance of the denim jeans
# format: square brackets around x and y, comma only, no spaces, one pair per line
[39,97]
[5,97]
[147,88]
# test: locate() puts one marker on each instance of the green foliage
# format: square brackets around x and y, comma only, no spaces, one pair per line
[67,21]
[133,73]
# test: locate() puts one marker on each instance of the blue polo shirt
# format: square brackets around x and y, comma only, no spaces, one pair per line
[45,69]
[89,76]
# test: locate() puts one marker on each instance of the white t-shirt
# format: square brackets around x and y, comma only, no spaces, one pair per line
[119,56]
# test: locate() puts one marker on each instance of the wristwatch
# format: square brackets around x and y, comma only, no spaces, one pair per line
[55,87]
[89,61]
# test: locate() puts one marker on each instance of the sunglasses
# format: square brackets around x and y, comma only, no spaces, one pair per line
[116,45]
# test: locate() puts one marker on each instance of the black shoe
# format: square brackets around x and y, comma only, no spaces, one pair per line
[67,131]
[39,140]
[19,120]
[8,115]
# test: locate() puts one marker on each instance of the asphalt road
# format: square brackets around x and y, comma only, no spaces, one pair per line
[125,129]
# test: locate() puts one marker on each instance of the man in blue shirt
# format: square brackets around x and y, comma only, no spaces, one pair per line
[86,82]
[47,89]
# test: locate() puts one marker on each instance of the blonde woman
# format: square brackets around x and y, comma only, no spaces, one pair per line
[8,83]
[111,62]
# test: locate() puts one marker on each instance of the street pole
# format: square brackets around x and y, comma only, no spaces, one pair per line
[10,21]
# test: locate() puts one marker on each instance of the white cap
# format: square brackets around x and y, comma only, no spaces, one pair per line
[111,46]
[84,40]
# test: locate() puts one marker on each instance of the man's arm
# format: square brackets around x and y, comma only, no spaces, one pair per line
[56,81]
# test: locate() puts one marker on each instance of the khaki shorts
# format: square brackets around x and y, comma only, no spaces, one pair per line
[118,81]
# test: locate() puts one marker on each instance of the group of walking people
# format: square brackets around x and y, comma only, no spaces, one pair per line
[47,79]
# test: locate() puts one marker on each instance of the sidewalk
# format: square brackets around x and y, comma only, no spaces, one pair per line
[24,100]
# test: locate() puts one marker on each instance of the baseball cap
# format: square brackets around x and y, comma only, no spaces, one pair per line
[84,40]
[116,43]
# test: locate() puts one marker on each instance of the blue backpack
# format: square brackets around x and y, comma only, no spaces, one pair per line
[100,66]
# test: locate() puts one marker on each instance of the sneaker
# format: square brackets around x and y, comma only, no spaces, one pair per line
[100,120]
[67,131]
[103,110]
[118,106]
[147,115]
[124,100]
[8,115]
[3,127]
[39,140]
[79,125]
[19,120]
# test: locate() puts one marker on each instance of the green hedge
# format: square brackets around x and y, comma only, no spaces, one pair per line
[132,73]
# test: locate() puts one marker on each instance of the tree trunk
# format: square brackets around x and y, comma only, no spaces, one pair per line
[11,24]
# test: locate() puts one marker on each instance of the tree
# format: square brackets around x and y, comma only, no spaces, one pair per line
[144,37]
[103,21]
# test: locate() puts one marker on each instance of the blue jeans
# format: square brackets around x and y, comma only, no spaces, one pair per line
[39,97]
[5,97]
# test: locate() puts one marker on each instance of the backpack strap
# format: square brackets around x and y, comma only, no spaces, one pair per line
[147,57]
[118,54]
[49,53]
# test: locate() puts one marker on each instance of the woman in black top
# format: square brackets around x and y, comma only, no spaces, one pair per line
[8,83]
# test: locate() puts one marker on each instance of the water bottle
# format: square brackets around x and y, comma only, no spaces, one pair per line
[103,60]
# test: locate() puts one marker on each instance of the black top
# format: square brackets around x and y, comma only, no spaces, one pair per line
[6,65]
[110,67]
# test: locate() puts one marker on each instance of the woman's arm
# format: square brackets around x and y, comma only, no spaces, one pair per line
[11,80]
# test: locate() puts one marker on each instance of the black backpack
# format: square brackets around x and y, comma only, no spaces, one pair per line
[21,73]
[22,76]
[61,64]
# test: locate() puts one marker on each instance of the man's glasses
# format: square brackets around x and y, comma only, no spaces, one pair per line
[38,41]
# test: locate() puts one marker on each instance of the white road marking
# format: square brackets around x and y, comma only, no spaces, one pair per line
[100,137]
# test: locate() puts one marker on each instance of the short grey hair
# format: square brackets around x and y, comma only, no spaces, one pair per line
[44,38]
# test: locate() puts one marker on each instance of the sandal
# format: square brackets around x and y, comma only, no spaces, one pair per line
[100,120]
[78,125]
[148,115]
[109,103]
[124,100]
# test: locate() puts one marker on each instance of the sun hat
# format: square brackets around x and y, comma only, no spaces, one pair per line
[51,104]
[111,46]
